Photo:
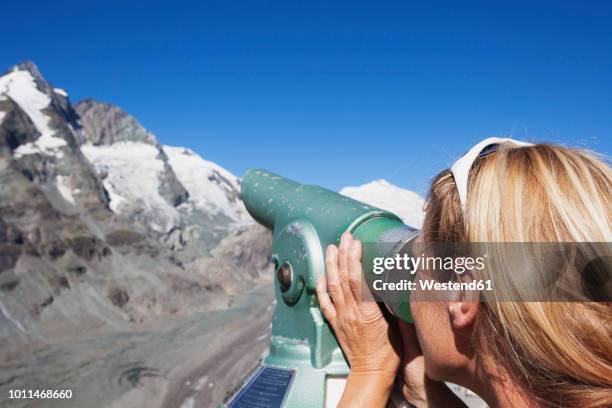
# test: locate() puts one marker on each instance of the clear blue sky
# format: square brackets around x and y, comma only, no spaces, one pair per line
[333,93]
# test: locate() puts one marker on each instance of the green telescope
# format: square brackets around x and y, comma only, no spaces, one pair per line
[305,366]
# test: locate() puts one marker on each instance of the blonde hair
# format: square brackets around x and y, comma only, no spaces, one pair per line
[559,352]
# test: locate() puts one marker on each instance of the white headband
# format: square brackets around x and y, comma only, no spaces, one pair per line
[461,168]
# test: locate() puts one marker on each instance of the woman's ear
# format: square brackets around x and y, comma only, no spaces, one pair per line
[463,304]
[463,313]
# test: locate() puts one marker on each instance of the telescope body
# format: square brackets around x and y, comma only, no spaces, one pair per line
[305,366]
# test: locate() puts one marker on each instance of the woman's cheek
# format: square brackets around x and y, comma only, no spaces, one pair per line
[421,314]
[433,336]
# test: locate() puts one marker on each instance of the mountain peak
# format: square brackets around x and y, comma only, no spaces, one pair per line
[380,182]
[29,66]
[106,124]
[407,204]
[29,96]
[32,69]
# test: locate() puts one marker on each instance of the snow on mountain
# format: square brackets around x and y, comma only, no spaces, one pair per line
[38,134]
[61,92]
[19,85]
[404,203]
[166,189]
[131,174]
[210,186]
[64,188]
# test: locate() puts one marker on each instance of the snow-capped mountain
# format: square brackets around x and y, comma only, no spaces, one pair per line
[38,131]
[129,161]
[133,174]
[20,87]
[211,187]
[404,203]
[127,154]
[168,190]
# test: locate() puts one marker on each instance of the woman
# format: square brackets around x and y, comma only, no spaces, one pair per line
[537,354]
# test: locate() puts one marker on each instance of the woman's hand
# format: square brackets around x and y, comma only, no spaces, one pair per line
[371,345]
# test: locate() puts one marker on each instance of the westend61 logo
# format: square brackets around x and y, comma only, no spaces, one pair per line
[405,262]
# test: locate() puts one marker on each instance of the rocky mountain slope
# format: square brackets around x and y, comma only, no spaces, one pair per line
[95,224]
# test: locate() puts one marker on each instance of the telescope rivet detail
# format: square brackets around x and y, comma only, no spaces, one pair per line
[284,275]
